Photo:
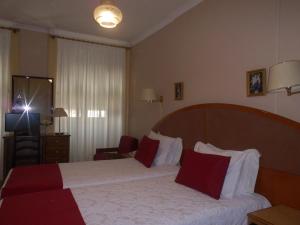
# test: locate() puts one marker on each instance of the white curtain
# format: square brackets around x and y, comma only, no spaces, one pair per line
[90,86]
[4,86]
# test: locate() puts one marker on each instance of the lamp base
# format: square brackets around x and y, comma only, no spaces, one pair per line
[58,134]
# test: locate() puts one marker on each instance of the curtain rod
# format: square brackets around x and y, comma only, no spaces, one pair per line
[15,30]
[90,42]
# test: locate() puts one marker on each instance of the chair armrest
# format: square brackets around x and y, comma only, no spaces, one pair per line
[101,150]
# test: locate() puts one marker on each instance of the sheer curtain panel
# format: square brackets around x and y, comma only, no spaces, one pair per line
[90,86]
[4,86]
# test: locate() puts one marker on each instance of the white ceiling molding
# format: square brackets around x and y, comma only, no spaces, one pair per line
[64,33]
[87,37]
[6,23]
[127,36]
[169,19]
[11,24]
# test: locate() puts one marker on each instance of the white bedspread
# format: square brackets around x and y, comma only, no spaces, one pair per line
[160,201]
[81,174]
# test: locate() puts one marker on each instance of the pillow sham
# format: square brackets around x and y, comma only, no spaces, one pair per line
[203,172]
[147,151]
[169,150]
[249,170]
[234,169]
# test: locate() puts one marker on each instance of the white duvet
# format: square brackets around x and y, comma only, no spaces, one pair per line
[160,201]
[81,174]
[89,173]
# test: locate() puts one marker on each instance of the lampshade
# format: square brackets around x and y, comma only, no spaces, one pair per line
[149,95]
[284,75]
[108,15]
[59,112]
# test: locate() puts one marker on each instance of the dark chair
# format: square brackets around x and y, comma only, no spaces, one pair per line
[127,144]
[27,149]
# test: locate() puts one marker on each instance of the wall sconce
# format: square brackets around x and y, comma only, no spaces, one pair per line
[149,95]
[285,75]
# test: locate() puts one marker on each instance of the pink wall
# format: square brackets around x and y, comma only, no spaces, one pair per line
[210,48]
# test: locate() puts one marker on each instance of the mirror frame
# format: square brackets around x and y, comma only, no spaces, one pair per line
[34,77]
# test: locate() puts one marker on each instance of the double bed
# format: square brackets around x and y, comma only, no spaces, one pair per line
[124,196]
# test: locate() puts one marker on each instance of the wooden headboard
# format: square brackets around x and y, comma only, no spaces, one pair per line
[238,127]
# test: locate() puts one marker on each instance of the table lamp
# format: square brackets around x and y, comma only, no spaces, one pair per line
[59,112]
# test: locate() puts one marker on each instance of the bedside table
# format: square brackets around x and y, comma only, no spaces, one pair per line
[56,148]
[277,215]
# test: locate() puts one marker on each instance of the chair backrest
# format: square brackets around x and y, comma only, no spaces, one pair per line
[27,150]
[127,144]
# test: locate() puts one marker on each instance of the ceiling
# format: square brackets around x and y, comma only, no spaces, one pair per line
[141,18]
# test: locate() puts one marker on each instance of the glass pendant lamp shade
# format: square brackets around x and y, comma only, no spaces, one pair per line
[108,15]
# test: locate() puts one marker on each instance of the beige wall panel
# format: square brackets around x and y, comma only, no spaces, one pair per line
[33,48]
[210,48]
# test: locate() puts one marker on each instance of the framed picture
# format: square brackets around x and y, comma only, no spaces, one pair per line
[256,82]
[178,90]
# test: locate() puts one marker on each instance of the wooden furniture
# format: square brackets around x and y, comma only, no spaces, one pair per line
[239,127]
[40,92]
[54,148]
[277,215]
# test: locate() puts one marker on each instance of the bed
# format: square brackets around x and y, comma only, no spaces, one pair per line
[150,201]
[159,200]
[80,174]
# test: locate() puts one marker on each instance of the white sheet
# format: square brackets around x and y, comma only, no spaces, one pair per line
[81,174]
[160,201]
[89,173]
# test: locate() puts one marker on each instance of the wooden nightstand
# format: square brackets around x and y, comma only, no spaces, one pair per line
[56,148]
[277,215]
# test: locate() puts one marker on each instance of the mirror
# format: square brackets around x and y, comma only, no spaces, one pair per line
[33,94]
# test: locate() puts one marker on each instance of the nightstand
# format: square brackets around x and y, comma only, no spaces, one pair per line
[277,215]
[56,148]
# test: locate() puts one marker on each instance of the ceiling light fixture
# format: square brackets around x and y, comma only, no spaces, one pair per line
[108,15]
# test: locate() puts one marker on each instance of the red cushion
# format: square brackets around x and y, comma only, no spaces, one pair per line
[203,172]
[127,144]
[147,151]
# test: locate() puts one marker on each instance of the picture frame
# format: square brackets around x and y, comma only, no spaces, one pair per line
[178,91]
[256,82]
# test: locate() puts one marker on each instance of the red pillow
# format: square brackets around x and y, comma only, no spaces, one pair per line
[203,172]
[147,151]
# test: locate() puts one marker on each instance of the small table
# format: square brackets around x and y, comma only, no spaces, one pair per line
[277,215]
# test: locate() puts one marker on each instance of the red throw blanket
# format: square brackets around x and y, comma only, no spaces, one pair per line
[56,207]
[33,179]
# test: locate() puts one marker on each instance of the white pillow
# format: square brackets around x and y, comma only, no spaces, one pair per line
[249,173]
[233,171]
[249,170]
[169,150]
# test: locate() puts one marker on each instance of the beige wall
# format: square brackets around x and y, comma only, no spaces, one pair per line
[210,48]
[33,53]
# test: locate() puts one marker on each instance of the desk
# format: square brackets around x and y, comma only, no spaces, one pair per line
[54,149]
